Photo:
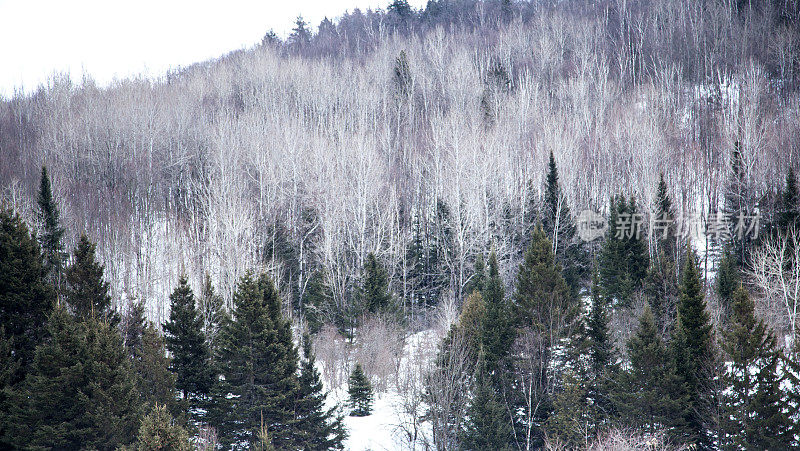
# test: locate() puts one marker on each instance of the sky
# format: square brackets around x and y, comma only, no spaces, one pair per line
[115,39]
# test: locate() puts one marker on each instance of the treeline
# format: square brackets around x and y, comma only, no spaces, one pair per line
[78,374]
[547,366]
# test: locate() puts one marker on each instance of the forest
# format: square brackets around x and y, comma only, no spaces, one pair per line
[481,225]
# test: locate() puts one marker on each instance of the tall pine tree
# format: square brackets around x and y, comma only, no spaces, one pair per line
[360,391]
[87,291]
[374,293]
[753,405]
[694,352]
[51,232]
[185,340]
[487,425]
[258,364]
[624,258]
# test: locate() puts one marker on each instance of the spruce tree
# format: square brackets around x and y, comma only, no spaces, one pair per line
[738,204]
[661,282]
[478,279]
[650,396]
[360,391]
[789,205]
[375,295]
[487,424]
[571,422]
[694,352]
[498,331]
[624,258]
[317,300]
[559,227]
[753,403]
[258,364]
[51,232]
[727,281]
[26,299]
[185,340]
[87,292]
[212,311]
[154,379]
[602,361]
[320,428]
[159,431]
[80,391]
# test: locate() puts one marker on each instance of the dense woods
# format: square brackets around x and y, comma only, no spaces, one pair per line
[396,203]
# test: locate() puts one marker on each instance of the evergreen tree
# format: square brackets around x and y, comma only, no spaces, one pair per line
[159,431]
[317,298]
[478,279]
[727,281]
[753,415]
[320,428]
[51,232]
[738,204]
[487,424]
[375,295]
[132,327]
[191,358]
[661,282]
[80,391]
[624,258]
[602,361]
[258,364]
[498,331]
[360,391]
[211,309]
[87,291]
[571,422]
[650,396]
[154,379]
[789,205]
[559,227]
[26,299]
[693,348]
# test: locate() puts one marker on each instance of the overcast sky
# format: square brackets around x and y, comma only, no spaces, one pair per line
[110,39]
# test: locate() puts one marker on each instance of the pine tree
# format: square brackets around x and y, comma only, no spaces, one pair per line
[87,292]
[738,204]
[727,281]
[602,361]
[26,299]
[650,396]
[753,415]
[191,358]
[498,329]
[487,423]
[789,206]
[360,391]
[155,381]
[478,279]
[559,227]
[321,428]
[624,258]
[258,363]
[375,295]
[693,348]
[51,232]
[159,431]
[80,391]
[132,327]
[211,309]
[571,421]
[667,235]
[317,299]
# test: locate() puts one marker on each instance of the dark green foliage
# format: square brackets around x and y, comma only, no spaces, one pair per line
[320,428]
[360,391]
[26,299]
[624,258]
[542,299]
[402,75]
[478,279]
[694,351]
[155,380]
[87,291]
[498,328]
[753,409]
[374,290]
[559,227]
[487,425]
[427,257]
[317,299]
[789,205]
[132,327]
[51,231]
[738,204]
[80,391]
[258,362]
[650,396]
[727,282]
[664,222]
[185,340]
[602,358]
[159,431]
[212,312]
[571,420]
